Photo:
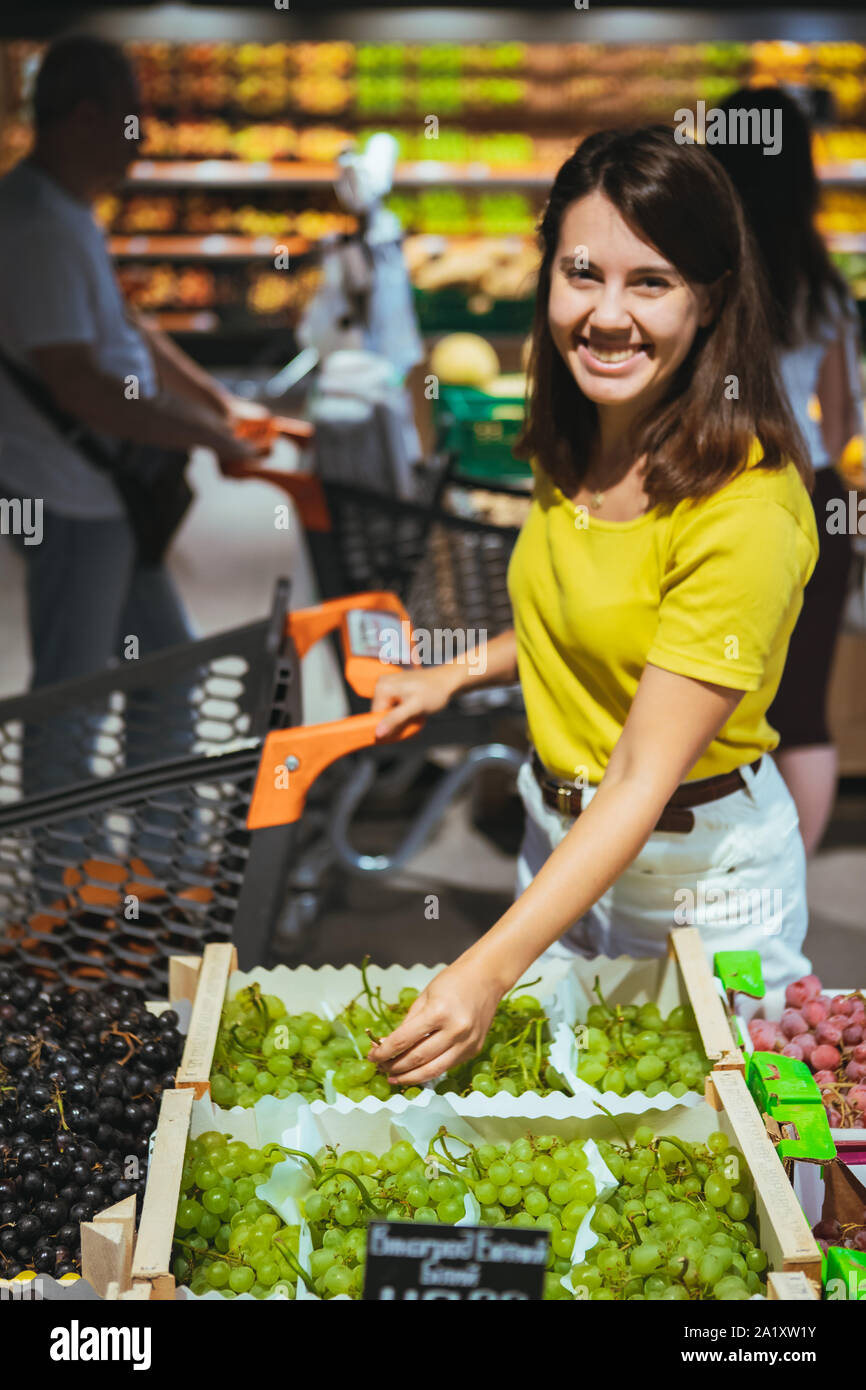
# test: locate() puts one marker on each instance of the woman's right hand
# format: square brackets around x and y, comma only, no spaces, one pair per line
[411,694]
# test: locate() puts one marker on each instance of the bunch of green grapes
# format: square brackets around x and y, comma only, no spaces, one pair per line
[678,1227]
[633,1048]
[225,1237]
[261,1049]
[537,1181]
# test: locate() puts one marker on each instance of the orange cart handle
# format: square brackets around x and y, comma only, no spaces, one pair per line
[292,759]
[303,487]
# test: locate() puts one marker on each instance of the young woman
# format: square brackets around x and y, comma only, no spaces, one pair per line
[654,585]
[815,325]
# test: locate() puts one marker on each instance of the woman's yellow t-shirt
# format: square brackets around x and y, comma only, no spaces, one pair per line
[710,589]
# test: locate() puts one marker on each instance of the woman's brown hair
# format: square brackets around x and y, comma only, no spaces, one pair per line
[680,201]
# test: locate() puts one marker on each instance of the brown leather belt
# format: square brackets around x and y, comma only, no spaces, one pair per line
[677,815]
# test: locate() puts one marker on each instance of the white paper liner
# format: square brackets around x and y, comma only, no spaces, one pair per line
[418,1124]
[262,1125]
[622,981]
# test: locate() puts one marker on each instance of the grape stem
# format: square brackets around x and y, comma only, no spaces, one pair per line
[615,1122]
[299,1153]
[526,985]
[596,989]
[291,1259]
[668,1139]
[365,1196]
[467,1158]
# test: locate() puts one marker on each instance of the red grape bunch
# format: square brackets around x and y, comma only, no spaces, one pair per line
[829,1035]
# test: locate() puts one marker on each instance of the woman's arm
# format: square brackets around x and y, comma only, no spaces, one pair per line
[672,721]
[422,690]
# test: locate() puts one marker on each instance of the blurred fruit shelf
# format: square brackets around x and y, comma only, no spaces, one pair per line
[215,247]
[228,173]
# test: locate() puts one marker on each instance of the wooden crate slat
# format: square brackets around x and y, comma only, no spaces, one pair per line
[786,1236]
[152,1259]
[713,1025]
[218,962]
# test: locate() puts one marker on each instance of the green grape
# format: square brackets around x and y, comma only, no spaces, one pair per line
[737,1207]
[591,1070]
[346,1212]
[241,1279]
[573,1214]
[560,1191]
[522,1173]
[499,1173]
[450,1210]
[717,1190]
[644,1258]
[535,1202]
[510,1194]
[321,1261]
[544,1171]
[582,1188]
[486,1192]
[188,1213]
[217,1274]
[649,1067]
[208,1224]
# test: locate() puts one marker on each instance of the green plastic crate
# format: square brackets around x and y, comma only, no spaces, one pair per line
[481,430]
[449,311]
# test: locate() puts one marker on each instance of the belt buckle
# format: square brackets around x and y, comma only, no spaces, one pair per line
[563,800]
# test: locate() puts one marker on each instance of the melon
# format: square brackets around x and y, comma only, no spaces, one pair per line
[464,359]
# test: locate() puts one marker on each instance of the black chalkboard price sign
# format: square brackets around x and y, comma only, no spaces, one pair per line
[408,1260]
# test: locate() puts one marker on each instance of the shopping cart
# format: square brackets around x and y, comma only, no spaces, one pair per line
[129,859]
[450,570]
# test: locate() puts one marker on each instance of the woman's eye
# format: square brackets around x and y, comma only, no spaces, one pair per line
[654,282]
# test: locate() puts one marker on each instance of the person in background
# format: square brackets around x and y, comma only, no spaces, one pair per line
[63,321]
[816,328]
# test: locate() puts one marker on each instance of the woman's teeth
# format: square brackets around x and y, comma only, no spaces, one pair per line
[609,355]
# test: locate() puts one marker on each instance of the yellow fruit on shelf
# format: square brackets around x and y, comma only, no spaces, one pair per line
[464,359]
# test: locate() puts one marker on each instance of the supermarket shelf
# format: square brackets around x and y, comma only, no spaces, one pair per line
[231,173]
[227,173]
[183,321]
[215,247]
[846,241]
[852,172]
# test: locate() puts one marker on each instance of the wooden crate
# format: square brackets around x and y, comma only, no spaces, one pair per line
[794,1257]
[210,981]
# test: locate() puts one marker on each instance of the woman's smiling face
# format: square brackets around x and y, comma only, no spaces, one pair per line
[621,316]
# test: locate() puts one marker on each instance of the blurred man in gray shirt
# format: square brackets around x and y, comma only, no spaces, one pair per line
[63,321]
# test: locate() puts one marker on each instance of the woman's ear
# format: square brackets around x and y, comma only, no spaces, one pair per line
[710,300]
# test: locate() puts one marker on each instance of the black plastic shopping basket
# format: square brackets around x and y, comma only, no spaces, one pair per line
[132,856]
